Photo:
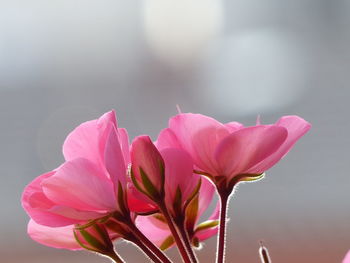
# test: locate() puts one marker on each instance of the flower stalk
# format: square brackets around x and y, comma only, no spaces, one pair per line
[147,243]
[179,242]
[220,256]
[184,235]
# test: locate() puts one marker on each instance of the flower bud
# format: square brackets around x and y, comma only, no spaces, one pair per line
[94,237]
[147,170]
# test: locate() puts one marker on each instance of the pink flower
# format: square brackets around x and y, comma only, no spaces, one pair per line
[225,151]
[90,185]
[166,176]
[347,258]
[155,228]
[101,142]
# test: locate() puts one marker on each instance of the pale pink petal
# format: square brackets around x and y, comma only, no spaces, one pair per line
[124,143]
[207,233]
[243,149]
[199,136]
[347,258]
[80,185]
[233,126]
[167,139]
[83,142]
[154,229]
[73,214]
[114,159]
[216,213]
[38,206]
[296,128]
[57,237]
[145,156]
[206,194]
[178,174]
[108,117]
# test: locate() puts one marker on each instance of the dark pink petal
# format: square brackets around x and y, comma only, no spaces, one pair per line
[145,156]
[296,128]
[199,136]
[139,202]
[81,185]
[178,174]
[243,149]
[57,237]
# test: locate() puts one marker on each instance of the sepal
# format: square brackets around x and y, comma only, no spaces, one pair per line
[94,237]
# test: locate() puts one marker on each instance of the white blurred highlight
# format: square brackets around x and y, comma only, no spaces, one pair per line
[180,32]
[256,72]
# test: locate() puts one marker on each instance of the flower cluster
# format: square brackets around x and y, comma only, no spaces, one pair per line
[152,194]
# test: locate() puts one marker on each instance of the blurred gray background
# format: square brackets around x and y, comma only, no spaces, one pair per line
[64,62]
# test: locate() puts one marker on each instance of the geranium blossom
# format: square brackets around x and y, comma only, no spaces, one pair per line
[225,151]
[86,186]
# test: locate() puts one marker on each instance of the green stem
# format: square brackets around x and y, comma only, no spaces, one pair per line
[184,235]
[222,228]
[180,245]
[155,250]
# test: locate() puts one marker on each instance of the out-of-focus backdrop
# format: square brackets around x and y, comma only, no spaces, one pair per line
[63,62]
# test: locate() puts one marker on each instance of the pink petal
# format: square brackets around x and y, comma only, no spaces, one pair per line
[81,185]
[199,136]
[145,155]
[233,126]
[167,139]
[243,149]
[154,229]
[57,237]
[206,194]
[38,206]
[347,258]
[83,142]
[216,213]
[178,173]
[114,159]
[139,202]
[108,117]
[207,233]
[296,128]
[124,143]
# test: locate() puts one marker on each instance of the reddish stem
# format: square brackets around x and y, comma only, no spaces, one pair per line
[185,238]
[155,250]
[177,238]
[222,229]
